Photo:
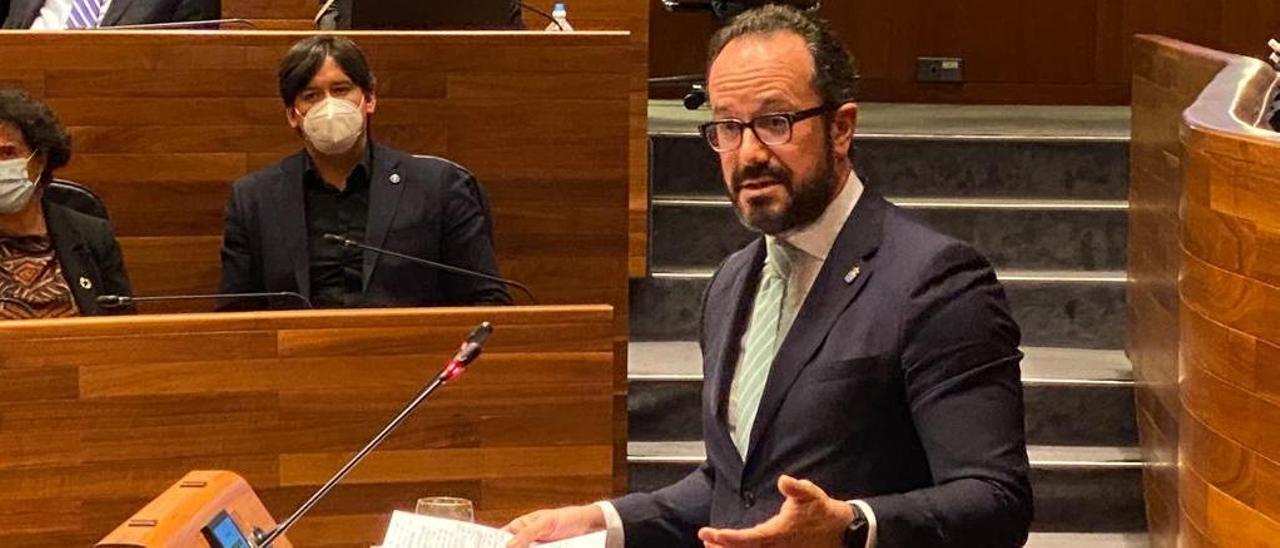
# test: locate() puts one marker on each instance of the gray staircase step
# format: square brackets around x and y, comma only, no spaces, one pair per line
[1056,309]
[1067,122]
[682,360]
[1073,397]
[1088,540]
[1063,152]
[933,165]
[1095,489]
[690,233]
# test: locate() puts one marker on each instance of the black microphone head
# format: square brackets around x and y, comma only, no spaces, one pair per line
[481,333]
[337,239]
[111,301]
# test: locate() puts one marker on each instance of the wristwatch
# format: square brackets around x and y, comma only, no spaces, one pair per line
[855,536]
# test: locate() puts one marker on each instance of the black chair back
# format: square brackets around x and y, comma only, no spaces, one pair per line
[77,197]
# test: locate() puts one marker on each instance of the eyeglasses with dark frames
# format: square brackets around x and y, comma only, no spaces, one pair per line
[770,129]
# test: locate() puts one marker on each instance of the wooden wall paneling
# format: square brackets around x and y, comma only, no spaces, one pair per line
[1245,26]
[284,398]
[631,16]
[677,46]
[270,9]
[1055,52]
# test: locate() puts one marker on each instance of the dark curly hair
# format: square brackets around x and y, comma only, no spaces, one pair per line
[41,130]
[835,72]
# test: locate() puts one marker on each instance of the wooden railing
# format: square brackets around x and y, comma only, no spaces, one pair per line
[1204,293]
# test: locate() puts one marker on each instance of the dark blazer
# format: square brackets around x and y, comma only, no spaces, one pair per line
[22,13]
[90,257]
[899,387]
[421,206]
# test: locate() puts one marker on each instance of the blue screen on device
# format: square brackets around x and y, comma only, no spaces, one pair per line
[222,532]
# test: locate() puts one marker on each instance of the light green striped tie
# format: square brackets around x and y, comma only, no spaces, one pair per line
[761,344]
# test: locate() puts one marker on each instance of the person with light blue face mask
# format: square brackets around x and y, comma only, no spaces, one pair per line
[57,249]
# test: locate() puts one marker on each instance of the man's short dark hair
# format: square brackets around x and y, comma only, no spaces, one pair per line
[835,77]
[306,57]
[41,130]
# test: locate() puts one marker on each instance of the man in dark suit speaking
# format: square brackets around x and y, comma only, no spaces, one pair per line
[861,369]
[344,183]
[79,14]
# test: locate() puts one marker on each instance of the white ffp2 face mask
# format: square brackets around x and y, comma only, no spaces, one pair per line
[334,125]
[16,186]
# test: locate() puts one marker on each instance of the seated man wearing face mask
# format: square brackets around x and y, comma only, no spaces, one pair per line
[344,183]
[54,261]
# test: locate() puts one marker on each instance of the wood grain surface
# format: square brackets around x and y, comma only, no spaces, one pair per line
[99,415]
[1044,52]
[1204,293]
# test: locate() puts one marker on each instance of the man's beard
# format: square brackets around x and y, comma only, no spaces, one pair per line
[801,205]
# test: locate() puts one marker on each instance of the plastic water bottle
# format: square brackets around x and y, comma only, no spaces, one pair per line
[561,15]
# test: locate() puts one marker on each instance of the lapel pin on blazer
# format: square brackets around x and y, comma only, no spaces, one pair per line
[395,178]
[85,283]
[853,274]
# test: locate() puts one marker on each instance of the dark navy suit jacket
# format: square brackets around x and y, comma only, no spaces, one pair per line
[899,387]
[420,206]
[22,13]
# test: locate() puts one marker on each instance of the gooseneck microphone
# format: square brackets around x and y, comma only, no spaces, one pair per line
[544,14]
[120,301]
[467,353]
[348,242]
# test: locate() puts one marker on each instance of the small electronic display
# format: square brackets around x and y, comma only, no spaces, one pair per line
[223,532]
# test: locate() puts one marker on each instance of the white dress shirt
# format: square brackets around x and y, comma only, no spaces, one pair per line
[54,14]
[813,242]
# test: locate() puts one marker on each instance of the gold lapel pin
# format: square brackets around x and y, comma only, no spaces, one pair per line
[853,273]
[85,283]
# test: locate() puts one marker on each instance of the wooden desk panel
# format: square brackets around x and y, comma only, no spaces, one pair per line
[99,415]
[1204,293]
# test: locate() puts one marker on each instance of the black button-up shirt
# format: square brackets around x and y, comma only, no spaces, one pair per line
[337,272]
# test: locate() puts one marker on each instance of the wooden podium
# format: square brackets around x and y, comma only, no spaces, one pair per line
[98,416]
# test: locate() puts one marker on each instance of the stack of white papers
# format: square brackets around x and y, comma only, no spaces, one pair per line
[415,531]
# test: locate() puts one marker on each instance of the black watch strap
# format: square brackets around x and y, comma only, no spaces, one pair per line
[855,536]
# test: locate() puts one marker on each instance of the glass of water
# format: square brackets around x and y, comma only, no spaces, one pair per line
[454,508]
